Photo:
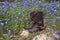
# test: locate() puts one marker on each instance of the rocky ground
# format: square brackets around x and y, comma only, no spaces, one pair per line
[46,34]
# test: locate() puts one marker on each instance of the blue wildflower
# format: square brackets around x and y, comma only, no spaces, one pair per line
[56,14]
[9,32]
[12,5]
[5,10]
[1,3]
[46,5]
[40,3]
[2,25]
[3,7]
[6,3]
[51,9]
[27,3]
[52,4]
[15,17]
[35,2]
[58,18]
[36,38]
[6,21]
[57,7]
[21,4]
[58,33]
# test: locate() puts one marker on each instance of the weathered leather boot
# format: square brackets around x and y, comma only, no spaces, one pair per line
[37,21]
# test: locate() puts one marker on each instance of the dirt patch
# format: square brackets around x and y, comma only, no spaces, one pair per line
[48,32]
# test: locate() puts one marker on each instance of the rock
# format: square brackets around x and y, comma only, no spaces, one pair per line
[36,38]
[46,34]
[40,37]
[25,33]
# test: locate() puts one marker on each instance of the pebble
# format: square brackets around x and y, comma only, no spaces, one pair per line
[25,33]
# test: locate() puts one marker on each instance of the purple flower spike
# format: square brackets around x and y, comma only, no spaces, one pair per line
[58,33]
[6,21]
[58,18]
[1,3]
[6,3]
[2,25]
[36,38]
[5,10]
[21,4]
[9,32]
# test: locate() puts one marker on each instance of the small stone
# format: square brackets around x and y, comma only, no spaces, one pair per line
[40,37]
[25,33]
[56,36]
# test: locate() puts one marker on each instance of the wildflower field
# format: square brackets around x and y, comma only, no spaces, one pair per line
[14,16]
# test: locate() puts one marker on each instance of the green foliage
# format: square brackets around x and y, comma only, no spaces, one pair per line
[18,19]
[10,0]
[58,25]
[47,0]
[6,37]
[1,0]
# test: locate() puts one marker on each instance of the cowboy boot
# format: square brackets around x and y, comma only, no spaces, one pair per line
[33,29]
[30,26]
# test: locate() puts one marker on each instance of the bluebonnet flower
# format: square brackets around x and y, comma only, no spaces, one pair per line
[27,3]
[40,3]
[58,18]
[36,38]
[56,14]
[21,4]
[3,7]
[15,17]
[2,25]
[1,3]
[34,2]
[58,33]
[5,10]
[12,5]
[6,3]
[46,4]
[9,32]
[27,15]
[52,5]
[6,21]
[57,7]
[31,10]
